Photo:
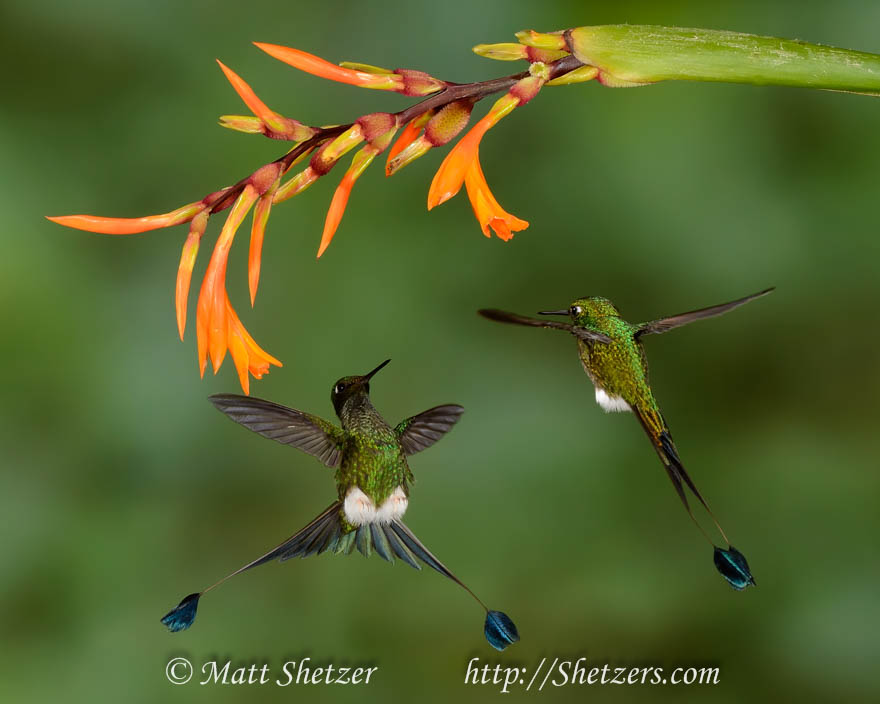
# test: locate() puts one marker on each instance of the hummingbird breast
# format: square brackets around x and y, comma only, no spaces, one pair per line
[616,370]
[373,477]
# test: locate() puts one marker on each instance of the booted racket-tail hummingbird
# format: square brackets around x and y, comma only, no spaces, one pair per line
[372,480]
[611,352]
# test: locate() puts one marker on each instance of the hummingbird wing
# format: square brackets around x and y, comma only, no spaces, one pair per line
[420,432]
[288,426]
[655,327]
[502,316]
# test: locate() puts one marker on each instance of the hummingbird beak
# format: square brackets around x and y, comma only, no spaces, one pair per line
[369,376]
[552,312]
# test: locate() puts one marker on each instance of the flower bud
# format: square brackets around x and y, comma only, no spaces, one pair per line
[418,83]
[448,122]
[505,51]
[579,75]
[542,40]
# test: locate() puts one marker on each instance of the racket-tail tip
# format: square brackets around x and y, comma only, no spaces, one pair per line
[732,565]
[182,616]
[500,630]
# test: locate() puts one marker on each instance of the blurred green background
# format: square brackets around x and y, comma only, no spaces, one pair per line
[122,489]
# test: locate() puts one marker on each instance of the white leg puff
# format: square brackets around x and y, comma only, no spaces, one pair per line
[394,506]
[611,404]
[358,508]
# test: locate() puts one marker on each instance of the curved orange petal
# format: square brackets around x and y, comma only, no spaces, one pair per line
[129,226]
[450,176]
[319,67]
[335,211]
[487,210]
[410,132]
[185,269]
[258,231]
[212,297]
[246,93]
[247,355]
[360,162]
[238,351]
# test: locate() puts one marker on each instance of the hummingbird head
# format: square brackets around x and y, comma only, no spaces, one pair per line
[350,387]
[587,311]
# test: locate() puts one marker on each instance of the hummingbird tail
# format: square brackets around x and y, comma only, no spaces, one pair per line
[730,562]
[330,533]
[661,438]
[499,629]
[320,535]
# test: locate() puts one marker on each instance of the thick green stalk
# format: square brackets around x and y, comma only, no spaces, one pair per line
[638,54]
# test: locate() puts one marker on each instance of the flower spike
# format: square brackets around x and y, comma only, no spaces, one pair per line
[616,55]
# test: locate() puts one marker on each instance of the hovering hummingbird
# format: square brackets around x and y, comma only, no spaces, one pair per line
[611,352]
[372,480]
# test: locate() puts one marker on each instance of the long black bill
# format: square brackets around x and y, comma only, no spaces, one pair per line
[503,316]
[552,312]
[369,375]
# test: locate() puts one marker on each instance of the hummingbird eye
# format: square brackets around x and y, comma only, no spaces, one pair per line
[576,310]
[339,388]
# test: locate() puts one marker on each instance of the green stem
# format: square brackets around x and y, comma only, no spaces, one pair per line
[637,54]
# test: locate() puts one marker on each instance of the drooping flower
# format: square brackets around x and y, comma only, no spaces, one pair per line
[462,164]
[486,209]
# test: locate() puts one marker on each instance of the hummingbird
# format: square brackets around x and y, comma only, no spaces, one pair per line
[372,481]
[612,355]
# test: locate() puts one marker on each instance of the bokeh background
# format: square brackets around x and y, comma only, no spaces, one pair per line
[122,489]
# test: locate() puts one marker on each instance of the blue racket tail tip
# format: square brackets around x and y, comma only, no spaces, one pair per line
[500,630]
[732,565]
[182,616]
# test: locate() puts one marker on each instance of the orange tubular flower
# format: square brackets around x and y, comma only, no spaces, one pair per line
[450,176]
[412,130]
[187,262]
[462,164]
[258,231]
[130,226]
[487,210]
[324,69]
[246,354]
[211,323]
[340,197]
[277,125]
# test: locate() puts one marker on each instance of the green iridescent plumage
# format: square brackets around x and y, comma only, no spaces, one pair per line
[611,352]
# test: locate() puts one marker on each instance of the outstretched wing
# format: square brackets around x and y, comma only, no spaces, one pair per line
[656,327]
[288,426]
[423,430]
[502,316]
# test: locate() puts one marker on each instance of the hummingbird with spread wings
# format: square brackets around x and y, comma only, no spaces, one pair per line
[611,352]
[372,480]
